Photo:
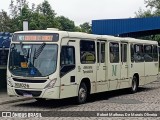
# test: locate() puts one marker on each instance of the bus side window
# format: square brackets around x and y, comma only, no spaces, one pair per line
[132,53]
[114,52]
[155,53]
[87,52]
[67,61]
[101,58]
[148,56]
[102,52]
[138,53]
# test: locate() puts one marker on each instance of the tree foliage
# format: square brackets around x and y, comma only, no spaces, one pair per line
[142,13]
[39,17]
[86,27]
[153,10]
[5,21]
[65,23]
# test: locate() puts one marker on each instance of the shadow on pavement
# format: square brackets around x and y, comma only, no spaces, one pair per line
[71,102]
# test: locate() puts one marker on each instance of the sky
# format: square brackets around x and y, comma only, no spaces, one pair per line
[81,11]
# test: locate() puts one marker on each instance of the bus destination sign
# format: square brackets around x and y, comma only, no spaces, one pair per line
[36,37]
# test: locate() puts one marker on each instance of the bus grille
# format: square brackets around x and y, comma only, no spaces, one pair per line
[29,81]
[33,93]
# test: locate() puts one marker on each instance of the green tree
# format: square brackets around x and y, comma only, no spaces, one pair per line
[48,19]
[16,7]
[41,16]
[142,13]
[5,22]
[86,27]
[153,9]
[65,23]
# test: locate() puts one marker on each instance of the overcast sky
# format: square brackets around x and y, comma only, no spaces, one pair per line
[82,11]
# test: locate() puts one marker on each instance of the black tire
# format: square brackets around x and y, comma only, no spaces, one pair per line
[82,94]
[134,86]
[40,99]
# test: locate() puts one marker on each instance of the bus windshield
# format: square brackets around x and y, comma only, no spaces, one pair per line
[33,60]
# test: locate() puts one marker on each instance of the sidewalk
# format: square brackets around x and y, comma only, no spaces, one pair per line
[5,99]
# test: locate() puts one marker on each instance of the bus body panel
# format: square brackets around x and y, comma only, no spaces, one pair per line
[103,76]
[151,73]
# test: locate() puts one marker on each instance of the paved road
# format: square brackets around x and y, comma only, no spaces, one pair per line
[146,99]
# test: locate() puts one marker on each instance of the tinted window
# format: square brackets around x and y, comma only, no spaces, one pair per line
[132,53]
[101,57]
[102,52]
[123,52]
[114,52]
[148,56]
[87,52]
[67,56]
[155,53]
[98,47]
[67,59]
[138,53]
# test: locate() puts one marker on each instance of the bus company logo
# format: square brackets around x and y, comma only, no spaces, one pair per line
[6,114]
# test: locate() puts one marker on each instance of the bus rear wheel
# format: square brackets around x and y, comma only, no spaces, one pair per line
[134,86]
[82,94]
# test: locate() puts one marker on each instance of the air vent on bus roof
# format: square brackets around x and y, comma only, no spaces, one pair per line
[53,29]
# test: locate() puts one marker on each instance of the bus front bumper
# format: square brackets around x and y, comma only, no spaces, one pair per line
[52,93]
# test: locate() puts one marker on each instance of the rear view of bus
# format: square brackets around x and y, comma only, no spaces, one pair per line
[32,65]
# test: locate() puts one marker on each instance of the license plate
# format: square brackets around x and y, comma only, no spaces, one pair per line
[21,85]
[27,95]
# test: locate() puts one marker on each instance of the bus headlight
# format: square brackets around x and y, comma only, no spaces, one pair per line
[9,82]
[51,83]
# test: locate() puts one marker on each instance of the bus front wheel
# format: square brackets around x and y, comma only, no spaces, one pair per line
[134,85]
[82,94]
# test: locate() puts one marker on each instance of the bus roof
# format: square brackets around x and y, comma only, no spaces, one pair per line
[91,36]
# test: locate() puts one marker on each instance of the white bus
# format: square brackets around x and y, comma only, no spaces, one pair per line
[46,64]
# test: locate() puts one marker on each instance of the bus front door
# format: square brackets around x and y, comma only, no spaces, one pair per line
[68,83]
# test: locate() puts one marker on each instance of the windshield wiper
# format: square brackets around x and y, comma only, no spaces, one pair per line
[38,52]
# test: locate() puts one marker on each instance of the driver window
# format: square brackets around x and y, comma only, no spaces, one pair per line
[67,59]
[67,56]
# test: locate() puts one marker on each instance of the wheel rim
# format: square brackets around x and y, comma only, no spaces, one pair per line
[82,94]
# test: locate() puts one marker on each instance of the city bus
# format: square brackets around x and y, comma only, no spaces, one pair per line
[49,64]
